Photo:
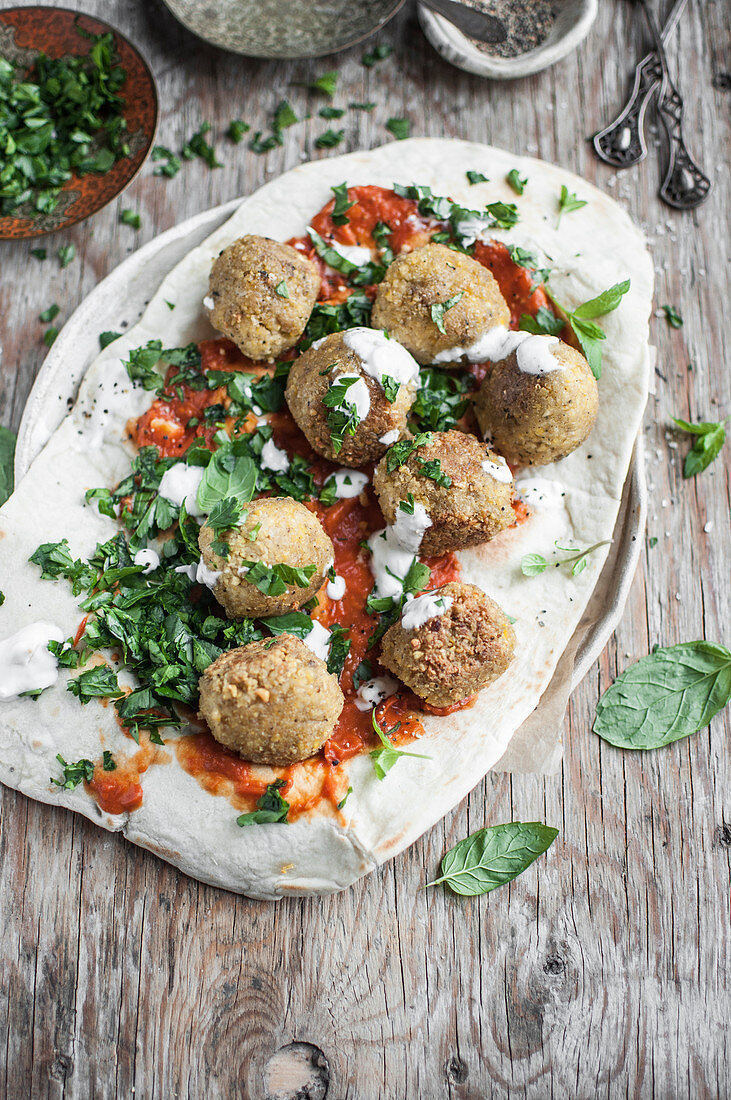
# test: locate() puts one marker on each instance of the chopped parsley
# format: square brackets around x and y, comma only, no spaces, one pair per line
[339,649]
[329,139]
[236,130]
[361,106]
[342,204]
[378,53]
[39,253]
[432,468]
[441,399]
[106,338]
[399,453]
[343,417]
[672,317]
[170,168]
[281,289]
[73,774]
[108,763]
[440,308]
[325,318]
[197,146]
[476,177]
[49,336]
[399,127]
[66,253]
[390,387]
[326,83]
[270,809]
[272,580]
[331,112]
[567,203]
[97,682]
[545,322]
[131,218]
[517,184]
[49,313]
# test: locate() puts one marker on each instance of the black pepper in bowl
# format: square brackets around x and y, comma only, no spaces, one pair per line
[528,23]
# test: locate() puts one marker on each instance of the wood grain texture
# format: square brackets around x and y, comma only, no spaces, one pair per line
[604,970]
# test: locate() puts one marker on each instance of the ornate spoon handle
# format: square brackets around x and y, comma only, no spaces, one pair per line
[622,143]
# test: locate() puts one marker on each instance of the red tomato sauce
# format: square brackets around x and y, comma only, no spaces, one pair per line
[119,791]
[167,425]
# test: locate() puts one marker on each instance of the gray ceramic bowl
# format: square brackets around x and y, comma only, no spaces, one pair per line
[573,22]
[283,28]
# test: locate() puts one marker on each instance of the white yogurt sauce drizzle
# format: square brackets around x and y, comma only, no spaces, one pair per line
[274,458]
[534,352]
[498,469]
[419,610]
[354,253]
[336,588]
[374,691]
[394,549]
[181,483]
[147,557]
[390,437]
[318,640]
[25,663]
[356,396]
[348,483]
[381,356]
[208,302]
[200,573]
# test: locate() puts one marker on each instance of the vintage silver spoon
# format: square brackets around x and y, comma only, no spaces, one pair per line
[622,143]
[475,24]
[685,186]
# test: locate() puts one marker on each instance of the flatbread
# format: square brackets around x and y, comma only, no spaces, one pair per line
[575,500]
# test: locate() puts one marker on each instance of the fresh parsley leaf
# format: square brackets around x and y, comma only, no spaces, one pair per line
[545,322]
[330,255]
[131,218]
[272,580]
[236,130]
[441,399]
[517,184]
[331,112]
[197,146]
[100,681]
[343,417]
[710,438]
[106,338]
[66,253]
[49,313]
[7,459]
[379,53]
[390,388]
[433,470]
[361,106]
[476,177]
[141,365]
[567,203]
[339,649]
[399,127]
[668,695]
[384,758]
[108,763]
[49,336]
[325,318]
[440,308]
[73,774]
[271,808]
[281,289]
[672,317]
[39,253]
[325,83]
[493,856]
[399,453]
[329,139]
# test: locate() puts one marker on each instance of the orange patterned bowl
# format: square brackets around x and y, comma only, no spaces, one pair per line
[26,31]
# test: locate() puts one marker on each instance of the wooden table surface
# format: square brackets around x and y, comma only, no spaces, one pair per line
[604,970]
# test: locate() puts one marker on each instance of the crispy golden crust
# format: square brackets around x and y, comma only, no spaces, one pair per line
[289,535]
[536,419]
[308,382]
[247,307]
[453,655]
[273,701]
[429,276]
[473,509]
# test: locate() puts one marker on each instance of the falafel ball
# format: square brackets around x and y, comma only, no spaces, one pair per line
[276,531]
[272,701]
[381,380]
[536,418]
[432,276]
[449,644]
[466,488]
[260,294]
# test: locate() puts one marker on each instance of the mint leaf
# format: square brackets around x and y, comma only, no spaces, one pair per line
[710,439]
[531,565]
[668,695]
[605,302]
[227,475]
[384,758]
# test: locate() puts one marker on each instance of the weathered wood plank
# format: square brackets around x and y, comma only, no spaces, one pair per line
[603,970]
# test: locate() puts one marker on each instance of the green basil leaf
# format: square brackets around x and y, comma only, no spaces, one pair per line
[331,257]
[227,476]
[668,695]
[494,856]
[294,622]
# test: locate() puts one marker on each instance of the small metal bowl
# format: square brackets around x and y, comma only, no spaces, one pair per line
[281,28]
[25,32]
[573,22]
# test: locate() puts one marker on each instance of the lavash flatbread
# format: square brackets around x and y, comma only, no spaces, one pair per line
[575,501]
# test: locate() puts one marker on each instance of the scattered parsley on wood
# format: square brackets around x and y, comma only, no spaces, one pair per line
[236,130]
[710,438]
[326,84]
[131,218]
[66,253]
[39,253]
[672,317]
[197,146]
[329,139]
[399,127]
[361,106]
[331,112]
[670,694]
[493,856]
[49,313]
[49,336]
[170,168]
[379,53]
[567,203]
[518,184]
[440,308]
